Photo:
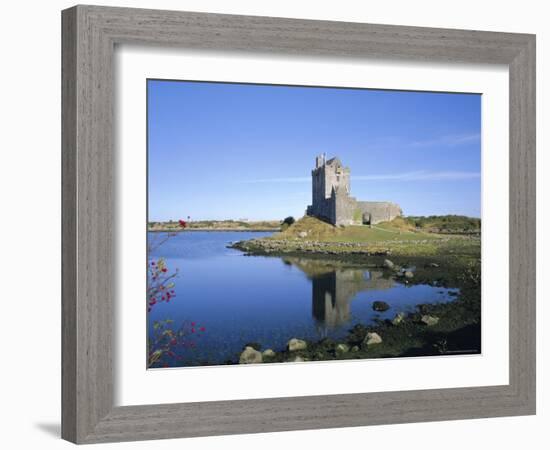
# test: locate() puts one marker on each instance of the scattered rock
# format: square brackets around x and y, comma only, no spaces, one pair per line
[296,344]
[372,338]
[342,348]
[250,356]
[354,349]
[434,265]
[399,317]
[380,306]
[268,353]
[408,274]
[429,320]
[388,264]
[297,358]
[302,234]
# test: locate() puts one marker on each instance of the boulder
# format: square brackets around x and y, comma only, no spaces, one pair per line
[296,344]
[250,356]
[342,348]
[297,358]
[388,264]
[268,353]
[354,349]
[408,274]
[399,317]
[380,306]
[372,339]
[429,320]
[302,234]
[434,265]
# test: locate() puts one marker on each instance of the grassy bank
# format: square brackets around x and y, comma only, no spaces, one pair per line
[397,238]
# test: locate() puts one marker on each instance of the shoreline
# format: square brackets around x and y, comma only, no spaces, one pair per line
[254,230]
[430,329]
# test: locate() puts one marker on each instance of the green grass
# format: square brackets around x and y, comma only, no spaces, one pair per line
[398,238]
[363,233]
[318,230]
[445,224]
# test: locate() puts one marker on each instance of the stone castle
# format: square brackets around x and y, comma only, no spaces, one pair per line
[332,202]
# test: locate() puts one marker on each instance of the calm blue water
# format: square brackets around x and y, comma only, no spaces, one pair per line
[268,300]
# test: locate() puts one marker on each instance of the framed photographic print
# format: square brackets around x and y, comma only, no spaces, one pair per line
[279,224]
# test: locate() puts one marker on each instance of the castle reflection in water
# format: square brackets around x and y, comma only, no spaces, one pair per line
[334,287]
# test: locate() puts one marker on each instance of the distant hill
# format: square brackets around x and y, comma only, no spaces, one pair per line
[217,225]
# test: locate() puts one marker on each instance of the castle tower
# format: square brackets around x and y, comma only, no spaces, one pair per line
[328,177]
[332,202]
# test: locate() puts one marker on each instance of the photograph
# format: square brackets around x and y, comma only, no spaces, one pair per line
[298,223]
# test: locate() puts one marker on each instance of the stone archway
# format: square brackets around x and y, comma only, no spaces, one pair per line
[366,219]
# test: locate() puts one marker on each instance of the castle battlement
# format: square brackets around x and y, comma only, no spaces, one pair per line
[332,202]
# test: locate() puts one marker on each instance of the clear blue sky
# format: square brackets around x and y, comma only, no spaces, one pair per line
[229,151]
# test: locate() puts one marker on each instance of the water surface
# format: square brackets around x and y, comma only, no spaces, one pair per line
[240,299]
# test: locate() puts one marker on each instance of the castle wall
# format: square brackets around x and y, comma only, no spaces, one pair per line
[379,211]
[344,208]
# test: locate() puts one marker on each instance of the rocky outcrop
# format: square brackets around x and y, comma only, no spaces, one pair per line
[296,344]
[250,356]
[429,320]
[341,349]
[268,246]
[399,317]
[380,306]
[372,339]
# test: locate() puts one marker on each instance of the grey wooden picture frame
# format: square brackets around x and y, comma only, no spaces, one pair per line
[90,34]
